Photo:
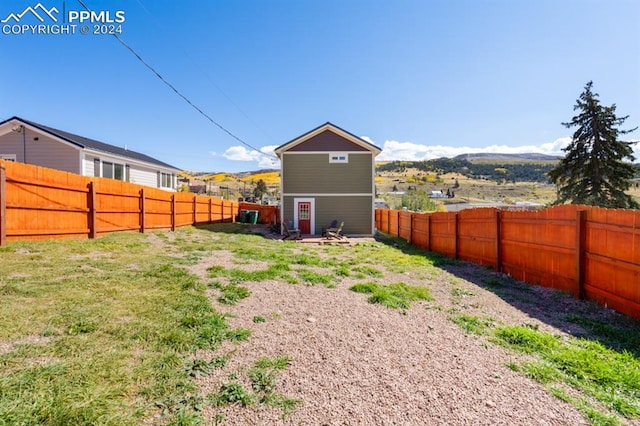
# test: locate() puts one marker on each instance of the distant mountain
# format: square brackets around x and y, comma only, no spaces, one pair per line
[531,156]
[503,169]
[255,172]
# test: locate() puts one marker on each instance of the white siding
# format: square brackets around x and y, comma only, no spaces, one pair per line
[138,174]
[87,165]
[144,176]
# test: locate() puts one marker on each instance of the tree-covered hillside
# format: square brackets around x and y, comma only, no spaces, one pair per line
[499,172]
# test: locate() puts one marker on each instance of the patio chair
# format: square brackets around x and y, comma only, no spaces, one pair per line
[289,231]
[335,233]
[332,227]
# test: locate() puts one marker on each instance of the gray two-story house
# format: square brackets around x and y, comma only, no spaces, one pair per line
[328,174]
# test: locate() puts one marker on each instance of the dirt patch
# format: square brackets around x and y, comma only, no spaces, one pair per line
[6,347]
[224,259]
[358,363]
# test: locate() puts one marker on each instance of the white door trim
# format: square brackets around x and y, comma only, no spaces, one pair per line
[313,212]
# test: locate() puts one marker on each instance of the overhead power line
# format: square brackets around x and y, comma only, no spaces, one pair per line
[162,28]
[177,92]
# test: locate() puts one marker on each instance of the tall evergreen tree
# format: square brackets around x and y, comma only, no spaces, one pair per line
[594,170]
[260,189]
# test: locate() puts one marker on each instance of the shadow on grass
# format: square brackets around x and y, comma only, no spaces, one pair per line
[580,318]
[267,231]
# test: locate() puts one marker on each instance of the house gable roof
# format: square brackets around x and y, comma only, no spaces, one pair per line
[323,138]
[86,143]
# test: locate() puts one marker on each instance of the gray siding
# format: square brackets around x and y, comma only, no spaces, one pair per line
[356,212]
[11,143]
[44,152]
[313,174]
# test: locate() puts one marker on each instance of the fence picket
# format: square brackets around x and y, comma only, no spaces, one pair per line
[173,212]
[580,257]
[498,245]
[3,205]
[91,202]
[142,211]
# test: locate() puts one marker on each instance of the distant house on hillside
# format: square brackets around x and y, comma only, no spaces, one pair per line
[33,143]
[328,174]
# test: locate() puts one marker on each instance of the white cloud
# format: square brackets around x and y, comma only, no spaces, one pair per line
[265,157]
[240,153]
[409,151]
[636,149]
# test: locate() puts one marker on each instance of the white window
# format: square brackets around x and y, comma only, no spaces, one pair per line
[166,180]
[338,157]
[113,170]
[8,157]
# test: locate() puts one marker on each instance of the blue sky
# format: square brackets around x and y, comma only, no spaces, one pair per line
[419,78]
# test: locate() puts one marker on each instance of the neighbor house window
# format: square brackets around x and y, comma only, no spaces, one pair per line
[166,180]
[112,170]
[8,157]
[338,158]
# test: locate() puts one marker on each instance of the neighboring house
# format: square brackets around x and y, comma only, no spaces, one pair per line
[379,203]
[196,186]
[328,174]
[29,142]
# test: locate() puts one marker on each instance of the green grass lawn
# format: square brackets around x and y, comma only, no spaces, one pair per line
[99,332]
[600,379]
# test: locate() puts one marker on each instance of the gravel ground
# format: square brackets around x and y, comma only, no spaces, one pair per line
[354,363]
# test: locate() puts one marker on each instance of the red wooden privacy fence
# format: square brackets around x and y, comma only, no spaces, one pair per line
[266,214]
[41,203]
[591,252]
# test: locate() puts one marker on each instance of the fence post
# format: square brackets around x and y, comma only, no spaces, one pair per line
[142,211]
[388,231]
[411,228]
[3,205]
[498,242]
[195,209]
[173,212]
[210,219]
[428,232]
[233,213]
[91,201]
[455,230]
[580,251]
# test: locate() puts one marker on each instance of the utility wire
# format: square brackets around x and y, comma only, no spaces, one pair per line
[177,92]
[196,65]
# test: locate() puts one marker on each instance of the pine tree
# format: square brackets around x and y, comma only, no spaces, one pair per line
[260,189]
[594,170]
